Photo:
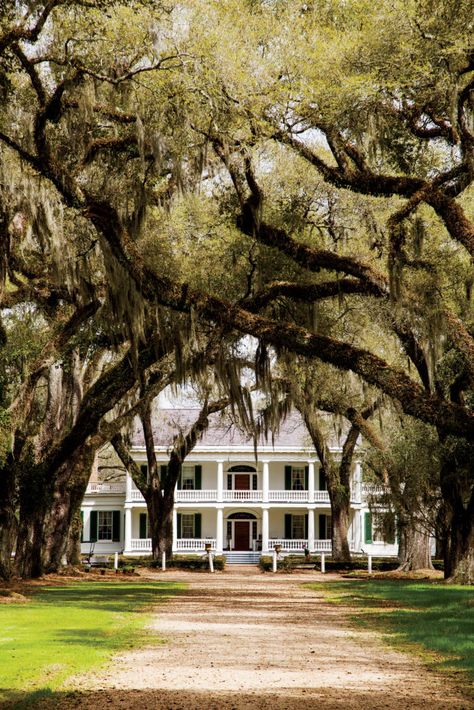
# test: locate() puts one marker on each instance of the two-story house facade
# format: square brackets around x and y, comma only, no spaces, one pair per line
[230,498]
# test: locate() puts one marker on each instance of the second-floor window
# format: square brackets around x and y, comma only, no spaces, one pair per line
[188,479]
[297,478]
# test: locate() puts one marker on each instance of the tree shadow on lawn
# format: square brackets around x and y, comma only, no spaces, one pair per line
[115,597]
[434,616]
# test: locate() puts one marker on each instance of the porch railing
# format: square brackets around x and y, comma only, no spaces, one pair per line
[195,544]
[143,544]
[256,496]
[300,545]
[106,487]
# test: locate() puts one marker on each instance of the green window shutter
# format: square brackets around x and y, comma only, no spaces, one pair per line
[306,477]
[178,532]
[163,472]
[322,527]
[197,525]
[116,525]
[94,524]
[229,481]
[144,469]
[287,478]
[197,478]
[254,481]
[143,517]
[288,525]
[323,486]
[368,527]
[82,526]
[306,525]
[180,480]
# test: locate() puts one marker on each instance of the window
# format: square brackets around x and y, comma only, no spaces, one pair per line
[297,527]
[297,478]
[188,478]
[104,530]
[187,525]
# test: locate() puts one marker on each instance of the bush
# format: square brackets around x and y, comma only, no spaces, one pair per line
[283,565]
[197,562]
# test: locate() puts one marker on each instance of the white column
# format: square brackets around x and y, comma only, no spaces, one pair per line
[220,531]
[311,529]
[311,481]
[128,486]
[128,529]
[265,530]
[220,481]
[265,481]
[357,483]
[175,529]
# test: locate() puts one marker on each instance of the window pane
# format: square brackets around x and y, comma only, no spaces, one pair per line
[187,526]
[187,478]
[297,527]
[297,479]
[105,525]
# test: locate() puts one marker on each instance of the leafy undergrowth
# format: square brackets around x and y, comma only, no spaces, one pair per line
[65,630]
[433,620]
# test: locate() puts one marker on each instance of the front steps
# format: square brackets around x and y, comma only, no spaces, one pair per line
[242,558]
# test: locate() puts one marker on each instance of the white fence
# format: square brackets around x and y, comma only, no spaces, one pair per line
[195,544]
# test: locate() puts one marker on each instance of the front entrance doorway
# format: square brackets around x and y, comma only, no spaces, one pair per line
[241,532]
[241,535]
[241,482]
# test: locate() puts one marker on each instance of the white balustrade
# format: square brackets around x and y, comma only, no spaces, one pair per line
[186,496]
[288,496]
[288,545]
[321,496]
[143,544]
[256,496]
[194,543]
[370,489]
[136,495]
[106,487]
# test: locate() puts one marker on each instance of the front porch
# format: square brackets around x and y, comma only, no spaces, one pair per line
[196,546]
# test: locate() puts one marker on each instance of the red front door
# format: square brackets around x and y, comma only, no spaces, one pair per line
[241,535]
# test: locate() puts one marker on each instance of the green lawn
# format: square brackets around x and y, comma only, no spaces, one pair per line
[433,619]
[62,631]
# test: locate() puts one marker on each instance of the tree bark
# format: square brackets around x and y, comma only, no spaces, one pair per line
[160,516]
[68,491]
[340,511]
[8,521]
[414,552]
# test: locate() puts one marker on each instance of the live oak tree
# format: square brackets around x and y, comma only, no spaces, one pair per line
[151,113]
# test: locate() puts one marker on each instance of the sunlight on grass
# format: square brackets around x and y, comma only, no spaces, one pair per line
[67,630]
[435,620]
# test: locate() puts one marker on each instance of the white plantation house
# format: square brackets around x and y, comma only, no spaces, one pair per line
[242,505]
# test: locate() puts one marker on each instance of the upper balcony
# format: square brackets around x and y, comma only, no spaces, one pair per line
[241,496]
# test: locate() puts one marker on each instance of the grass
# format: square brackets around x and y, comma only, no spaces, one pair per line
[65,630]
[433,620]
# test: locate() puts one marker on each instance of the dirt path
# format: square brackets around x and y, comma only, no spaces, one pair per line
[257,641]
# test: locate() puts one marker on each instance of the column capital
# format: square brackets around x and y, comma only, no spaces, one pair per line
[312,460]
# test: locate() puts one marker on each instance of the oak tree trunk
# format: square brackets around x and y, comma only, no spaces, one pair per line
[8,521]
[160,505]
[414,552]
[340,511]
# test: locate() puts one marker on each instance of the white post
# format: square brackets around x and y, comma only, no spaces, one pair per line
[163,561]
[128,486]
[211,562]
[310,481]
[128,530]
[369,564]
[265,530]
[265,481]
[323,563]
[311,529]
[175,529]
[274,561]
[220,481]
[116,561]
[220,531]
